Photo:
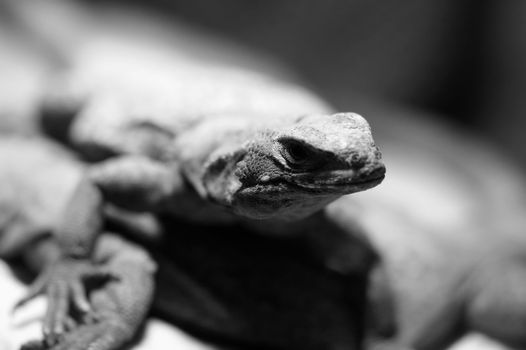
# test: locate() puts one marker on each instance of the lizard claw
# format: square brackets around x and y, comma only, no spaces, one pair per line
[64,284]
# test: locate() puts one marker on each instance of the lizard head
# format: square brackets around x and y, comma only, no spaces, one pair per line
[291,171]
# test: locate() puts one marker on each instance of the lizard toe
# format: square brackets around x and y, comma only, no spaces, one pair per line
[66,284]
[54,323]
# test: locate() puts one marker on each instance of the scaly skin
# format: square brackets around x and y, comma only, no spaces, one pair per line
[471,288]
[287,143]
[290,289]
[118,310]
[38,177]
[226,180]
[230,147]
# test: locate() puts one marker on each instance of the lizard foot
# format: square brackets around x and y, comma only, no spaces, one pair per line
[64,283]
[103,335]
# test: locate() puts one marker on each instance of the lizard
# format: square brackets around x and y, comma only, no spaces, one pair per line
[430,245]
[473,297]
[469,289]
[287,289]
[233,181]
[416,265]
[201,143]
[364,158]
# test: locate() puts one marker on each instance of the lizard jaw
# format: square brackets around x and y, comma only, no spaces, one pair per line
[339,182]
[344,181]
[285,198]
[344,189]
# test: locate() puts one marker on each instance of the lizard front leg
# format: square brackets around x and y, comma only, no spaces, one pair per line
[119,308]
[134,182]
[64,278]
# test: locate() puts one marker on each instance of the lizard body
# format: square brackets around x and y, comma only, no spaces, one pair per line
[203,143]
[428,290]
[233,296]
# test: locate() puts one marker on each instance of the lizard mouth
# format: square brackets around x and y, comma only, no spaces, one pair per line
[331,183]
[297,195]
[342,188]
[342,181]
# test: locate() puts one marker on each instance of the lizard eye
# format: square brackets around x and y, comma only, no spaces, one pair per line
[297,154]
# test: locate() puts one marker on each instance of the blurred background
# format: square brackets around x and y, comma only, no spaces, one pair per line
[460,59]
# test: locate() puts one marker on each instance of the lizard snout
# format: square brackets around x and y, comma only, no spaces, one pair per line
[374,172]
[367,166]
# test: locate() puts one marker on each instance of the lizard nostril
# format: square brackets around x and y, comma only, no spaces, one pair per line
[357,161]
